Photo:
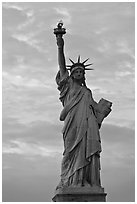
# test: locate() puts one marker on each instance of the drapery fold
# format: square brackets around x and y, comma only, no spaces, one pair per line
[82,145]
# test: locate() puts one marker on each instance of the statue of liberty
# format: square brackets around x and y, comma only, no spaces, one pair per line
[82,117]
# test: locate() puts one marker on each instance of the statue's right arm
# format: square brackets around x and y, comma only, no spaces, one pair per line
[61,57]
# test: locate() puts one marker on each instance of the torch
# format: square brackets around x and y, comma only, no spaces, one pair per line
[59,31]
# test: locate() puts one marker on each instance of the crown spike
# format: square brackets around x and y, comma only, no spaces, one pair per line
[79,59]
[71,61]
[85,61]
[87,65]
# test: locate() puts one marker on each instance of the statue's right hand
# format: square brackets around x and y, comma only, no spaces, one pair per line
[60,41]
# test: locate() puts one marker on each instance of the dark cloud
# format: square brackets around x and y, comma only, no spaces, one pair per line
[118,163]
[119,184]
[117,134]
[42,133]
[30,180]
[30,175]
[118,145]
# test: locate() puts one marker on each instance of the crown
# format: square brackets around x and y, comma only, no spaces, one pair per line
[78,64]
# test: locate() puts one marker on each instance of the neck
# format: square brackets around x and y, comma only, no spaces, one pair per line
[77,82]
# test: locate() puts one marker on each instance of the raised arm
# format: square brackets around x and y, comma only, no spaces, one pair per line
[59,32]
[61,56]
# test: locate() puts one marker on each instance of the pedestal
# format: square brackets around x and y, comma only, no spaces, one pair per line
[80,194]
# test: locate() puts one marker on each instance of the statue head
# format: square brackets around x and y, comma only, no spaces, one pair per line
[78,73]
[78,65]
[78,76]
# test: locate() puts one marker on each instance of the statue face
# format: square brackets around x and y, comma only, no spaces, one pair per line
[78,74]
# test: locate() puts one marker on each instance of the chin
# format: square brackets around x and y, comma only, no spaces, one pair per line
[78,80]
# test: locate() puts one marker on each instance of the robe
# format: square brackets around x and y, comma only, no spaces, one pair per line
[82,144]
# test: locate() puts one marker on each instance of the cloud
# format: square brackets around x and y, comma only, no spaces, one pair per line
[64,13]
[29,100]
[118,163]
[12,6]
[124,48]
[28,162]
[122,74]
[106,47]
[29,180]
[29,40]
[23,30]
[13,48]
[122,143]
[100,31]
[29,149]
[34,136]
[23,81]
[28,22]
[12,17]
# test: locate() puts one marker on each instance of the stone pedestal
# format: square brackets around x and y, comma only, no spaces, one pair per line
[80,194]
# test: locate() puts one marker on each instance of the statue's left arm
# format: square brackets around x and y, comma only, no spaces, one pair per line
[94,106]
[101,109]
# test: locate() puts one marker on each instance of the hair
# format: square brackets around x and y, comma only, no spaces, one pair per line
[84,82]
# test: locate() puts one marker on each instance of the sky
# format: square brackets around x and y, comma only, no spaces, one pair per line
[32,138]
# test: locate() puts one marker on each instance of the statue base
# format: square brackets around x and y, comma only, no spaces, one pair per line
[80,194]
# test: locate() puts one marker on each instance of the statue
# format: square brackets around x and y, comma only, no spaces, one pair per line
[82,117]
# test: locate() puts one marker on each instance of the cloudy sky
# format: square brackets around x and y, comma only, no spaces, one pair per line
[32,139]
